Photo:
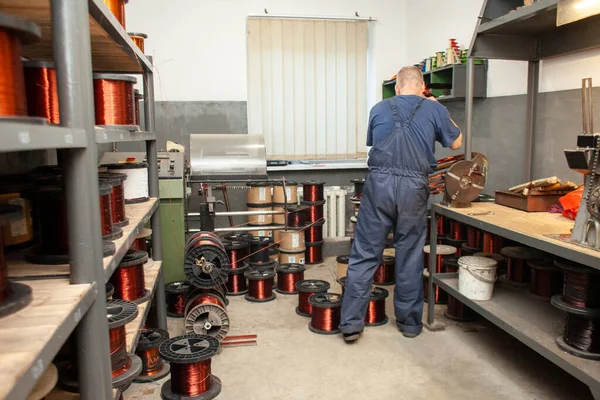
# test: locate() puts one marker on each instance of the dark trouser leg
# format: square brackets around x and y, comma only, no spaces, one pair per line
[375,220]
[409,239]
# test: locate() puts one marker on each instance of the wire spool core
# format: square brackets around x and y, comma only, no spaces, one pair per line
[206,314]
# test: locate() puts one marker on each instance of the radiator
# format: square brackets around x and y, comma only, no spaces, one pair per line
[334,212]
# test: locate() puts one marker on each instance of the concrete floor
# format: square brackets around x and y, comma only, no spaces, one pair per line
[464,361]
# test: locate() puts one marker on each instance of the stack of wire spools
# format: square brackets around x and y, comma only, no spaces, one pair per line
[314,201]
[260,198]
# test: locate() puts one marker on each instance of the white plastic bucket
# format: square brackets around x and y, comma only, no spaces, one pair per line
[476,277]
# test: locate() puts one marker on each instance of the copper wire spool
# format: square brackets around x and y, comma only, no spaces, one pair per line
[124,366]
[260,285]
[441,226]
[313,211]
[375,315]
[474,237]
[136,105]
[138,39]
[236,251]
[457,311]
[306,288]
[287,277]
[205,260]
[290,195]
[114,100]
[106,224]
[117,196]
[546,278]
[313,191]
[259,249]
[237,284]
[581,286]
[117,7]
[128,278]
[206,313]
[176,295]
[118,351]
[191,374]
[457,231]
[314,233]
[153,367]
[518,271]
[296,216]
[583,333]
[492,243]
[314,253]
[42,90]
[14,32]
[386,272]
[442,252]
[326,313]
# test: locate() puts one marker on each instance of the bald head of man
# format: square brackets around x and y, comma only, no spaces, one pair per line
[410,81]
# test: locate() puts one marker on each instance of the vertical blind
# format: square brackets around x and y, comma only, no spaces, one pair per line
[307,87]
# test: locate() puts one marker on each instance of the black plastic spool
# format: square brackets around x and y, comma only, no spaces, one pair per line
[587,313]
[267,266]
[244,237]
[377,294]
[288,269]
[120,313]
[151,338]
[115,179]
[189,349]
[324,300]
[239,271]
[177,287]
[259,252]
[213,254]
[315,244]
[467,250]
[257,275]
[311,286]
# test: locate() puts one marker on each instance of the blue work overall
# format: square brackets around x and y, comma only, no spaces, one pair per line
[394,199]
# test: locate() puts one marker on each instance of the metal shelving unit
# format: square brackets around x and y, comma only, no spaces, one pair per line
[529,319]
[79,36]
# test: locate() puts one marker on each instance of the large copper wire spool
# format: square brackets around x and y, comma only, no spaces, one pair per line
[313,191]
[138,39]
[259,193]
[518,272]
[114,101]
[259,250]
[313,211]
[375,315]
[306,288]
[125,366]
[287,277]
[128,279]
[153,367]
[109,230]
[14,32]
[263,219]
[237,252]
[42,90]
[117,8]
[260,285]
[457,230]
[581,287]
[386,272]
[314,232]
[206,261]
[291,192]
[117,197]
[326,313]
[206,314]
[237,284]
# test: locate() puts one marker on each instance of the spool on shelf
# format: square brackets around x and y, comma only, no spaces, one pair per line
[259,194]
[375,315]
[128,278]
[291,192]
[581,336]
[125,366]
[137,97]
[581,285]
[176,296]
[138,38]
[546,278]
[467,250]
[153,367]
[237,283]
[260,286]
[288,275]
[456,310]
[42,90]
[314,253]
[305,289]
[117,8]
[114,101]
[206,314]
[18,232]
[206,261]
[491,243]
[117,197]
[386,272]
[518,272]
[313,211]
[109,231]
[326,312]
[191,374]
[457,231]
[135,187]
[141,240]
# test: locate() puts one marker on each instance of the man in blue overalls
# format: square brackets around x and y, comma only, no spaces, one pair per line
[403,131]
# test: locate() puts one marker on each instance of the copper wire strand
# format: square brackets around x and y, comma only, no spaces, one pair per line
[120,362]
[105,215]
[517,270]
[314,213]
[286,281]
[582,333]
[176,303]
[314,233]
[385,273]
[152,364]
[191,379]
[42,93]
[314,254]
[260,289]
[113,102]
[117,200]
[303,304]
[129,282]
[313,192]
[375,311]
[237,283]
[581,288]
[325,318]
[12,81]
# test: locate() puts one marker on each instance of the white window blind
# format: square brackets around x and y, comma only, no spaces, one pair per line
[307,87]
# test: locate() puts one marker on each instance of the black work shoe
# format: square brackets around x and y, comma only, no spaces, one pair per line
[351,337]
[409,335]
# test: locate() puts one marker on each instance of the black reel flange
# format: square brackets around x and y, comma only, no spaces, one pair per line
[150,339]
[289,269]
[188,349]
[311,286]
[205,262]
[120,312]
[110,290]
[324,300]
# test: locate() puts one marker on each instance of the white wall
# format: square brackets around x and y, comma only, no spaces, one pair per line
[199,46]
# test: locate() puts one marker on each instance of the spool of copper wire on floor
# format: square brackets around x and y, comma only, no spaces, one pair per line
[375,315]
[205,260]
[125,366]
[117,197]
[237,284]
[206,313]
[386,272]
[457,230]
[326,312]
[14,32]
[191,373]
[114,101]
[153,367]
[42,90]
[474,237]
[138,39]
[518,272]
[306,288]
[313,211]
[314,232]
[313,191]
[546,278]
[128,278]
[314,252]
[175,292]
[492,243]
[288,275]
[260,286]
[236,251]
[581,286]
[117,8]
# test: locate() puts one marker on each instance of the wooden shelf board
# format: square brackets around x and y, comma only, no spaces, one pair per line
[138,215]
[30,338]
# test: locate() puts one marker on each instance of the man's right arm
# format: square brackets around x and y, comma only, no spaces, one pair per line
[447,132]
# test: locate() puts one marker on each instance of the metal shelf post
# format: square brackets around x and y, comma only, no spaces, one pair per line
[533,81]
[469,108]
[431,268]
[72,55]
[152,158]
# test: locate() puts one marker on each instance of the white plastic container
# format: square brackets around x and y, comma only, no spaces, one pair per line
[476,277]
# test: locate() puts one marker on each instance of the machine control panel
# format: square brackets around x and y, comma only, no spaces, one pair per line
[171,165]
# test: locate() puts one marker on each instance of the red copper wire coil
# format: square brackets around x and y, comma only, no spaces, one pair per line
[138,39]
[376,307]
[286,281]
[457,231]
[517,270]
[236,284]
[296,217]
[386,272]
[118,204]
[581,286]
[325,319]
[205,298]
[176,295]
[120,362]
[303,304]
[191,379]
[42,91]
[314,233]
[128,278]
[492,243]
[314,254]
[546,279]
[473,237]
[117,7]
[441,225]
[440,297]
[12,81]
[260,289]
[314,213]
[139,244]
[236,251]
[113,101]
[105,215]
[313,191]
[582,333]
[152,364]
[458,311]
